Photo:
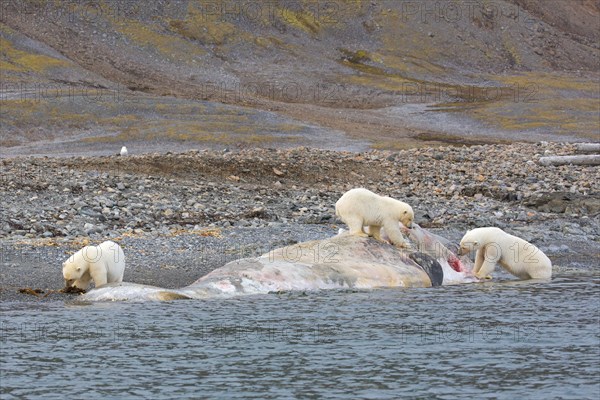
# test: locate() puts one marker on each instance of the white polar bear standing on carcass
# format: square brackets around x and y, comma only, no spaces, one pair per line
[360,207]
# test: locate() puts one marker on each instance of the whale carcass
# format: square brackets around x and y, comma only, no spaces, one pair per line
[340,262]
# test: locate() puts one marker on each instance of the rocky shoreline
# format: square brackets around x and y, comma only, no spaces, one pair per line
[190,212]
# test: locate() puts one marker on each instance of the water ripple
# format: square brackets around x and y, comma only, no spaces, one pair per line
[499,340]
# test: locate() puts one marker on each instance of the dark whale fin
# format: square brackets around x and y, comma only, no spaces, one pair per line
[430,266]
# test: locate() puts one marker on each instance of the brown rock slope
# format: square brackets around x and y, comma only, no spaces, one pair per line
[386,73]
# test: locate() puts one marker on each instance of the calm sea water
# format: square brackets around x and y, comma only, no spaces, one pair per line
[500,340]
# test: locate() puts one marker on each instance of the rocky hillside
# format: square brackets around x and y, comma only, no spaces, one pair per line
[338,74]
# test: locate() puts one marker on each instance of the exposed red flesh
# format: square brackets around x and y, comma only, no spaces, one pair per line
[455,263]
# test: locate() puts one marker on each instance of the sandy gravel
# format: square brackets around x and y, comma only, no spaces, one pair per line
[178,216]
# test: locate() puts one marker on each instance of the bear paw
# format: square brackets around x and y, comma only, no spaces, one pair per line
[403,246]
[360,234]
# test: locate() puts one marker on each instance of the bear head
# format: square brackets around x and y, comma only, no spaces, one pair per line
[72,271]
[78,264]
[467,244]
[407,217]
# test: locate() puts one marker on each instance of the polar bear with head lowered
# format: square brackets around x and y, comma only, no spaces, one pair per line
[103,264]
[361,207]
[517,256]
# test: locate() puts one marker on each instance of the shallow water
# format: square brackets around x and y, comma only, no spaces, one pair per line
[501,340]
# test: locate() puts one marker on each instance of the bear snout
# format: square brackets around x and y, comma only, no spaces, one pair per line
[462,251]
[406,224]
[69,282]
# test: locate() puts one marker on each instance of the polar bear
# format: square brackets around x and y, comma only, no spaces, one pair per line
[515,255]
[103,264]
[360,207]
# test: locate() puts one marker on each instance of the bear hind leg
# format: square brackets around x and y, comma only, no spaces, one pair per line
[375,231]
[355,226]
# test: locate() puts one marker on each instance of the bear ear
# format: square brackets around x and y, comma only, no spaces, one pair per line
[78,269]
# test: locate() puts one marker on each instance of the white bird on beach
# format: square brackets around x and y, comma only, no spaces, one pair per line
[123,151]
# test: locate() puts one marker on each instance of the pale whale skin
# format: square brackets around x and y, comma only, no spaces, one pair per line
[341,262]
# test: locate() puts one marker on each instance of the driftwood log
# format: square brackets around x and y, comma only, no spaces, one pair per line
[587,159]
[587,148]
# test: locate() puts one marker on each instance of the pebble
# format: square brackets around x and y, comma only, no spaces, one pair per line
[461,187]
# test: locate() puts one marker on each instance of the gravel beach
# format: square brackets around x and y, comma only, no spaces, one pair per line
[179,216]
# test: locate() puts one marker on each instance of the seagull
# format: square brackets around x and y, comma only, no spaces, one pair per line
[123,151]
